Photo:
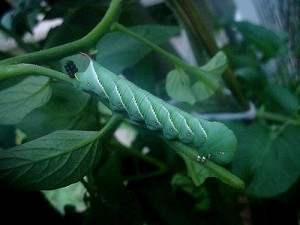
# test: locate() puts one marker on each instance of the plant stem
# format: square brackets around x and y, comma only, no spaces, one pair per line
[177,61]
[161,167]
[44,56]
[192,20]
[110,126]
[7,71]
[216,170]
[276,117]
[195,25]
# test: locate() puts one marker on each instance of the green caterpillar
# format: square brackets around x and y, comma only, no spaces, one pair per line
[213,139]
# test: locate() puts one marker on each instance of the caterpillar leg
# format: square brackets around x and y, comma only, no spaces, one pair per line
[202,158]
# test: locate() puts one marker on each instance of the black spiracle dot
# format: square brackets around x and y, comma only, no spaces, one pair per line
[71,69]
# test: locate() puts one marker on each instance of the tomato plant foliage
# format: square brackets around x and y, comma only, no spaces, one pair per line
[53,135]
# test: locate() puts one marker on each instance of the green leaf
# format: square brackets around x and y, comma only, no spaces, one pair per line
[213,70]
[19,100]
[196,171]
[68,109]
[53,161]
[178,86]
[280,96]
[215,66]
[72,29]
[7,136]
[265,40]
[178,83]
[268,160]
[24,16]
[211,169]
[142,74]
[200,194]
[183,181]
[118,51]
[6,21]
[201,91]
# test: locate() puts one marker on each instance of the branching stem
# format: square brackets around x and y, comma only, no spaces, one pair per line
[110,126]
[7,71]
[177,61]
[83,44]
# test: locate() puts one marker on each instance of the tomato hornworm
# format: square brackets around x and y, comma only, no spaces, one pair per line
[213,139]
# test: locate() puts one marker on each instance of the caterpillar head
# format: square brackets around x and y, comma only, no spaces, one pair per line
[71,69]
[77,64]
[82,68]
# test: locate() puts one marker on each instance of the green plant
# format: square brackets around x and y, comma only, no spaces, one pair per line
[62,135]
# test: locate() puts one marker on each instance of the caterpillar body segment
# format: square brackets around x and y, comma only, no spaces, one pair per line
[128,96]
[212,138]
[115,100]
